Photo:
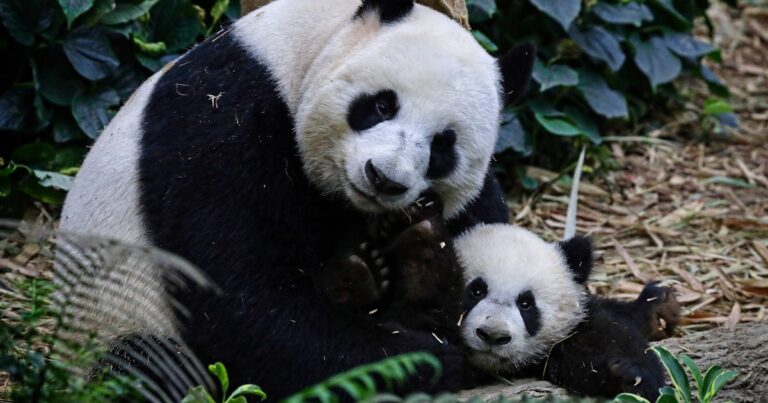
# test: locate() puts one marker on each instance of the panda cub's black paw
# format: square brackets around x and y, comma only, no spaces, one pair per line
[662,311]
[642,377]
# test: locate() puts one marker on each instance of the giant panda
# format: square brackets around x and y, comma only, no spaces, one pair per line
[254,151]
[528,314]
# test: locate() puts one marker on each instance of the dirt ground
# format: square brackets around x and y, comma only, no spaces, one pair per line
[687,207]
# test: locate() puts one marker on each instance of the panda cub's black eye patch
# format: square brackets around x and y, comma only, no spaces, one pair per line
[475,291]
[526,303]
[369,110]
[442,155]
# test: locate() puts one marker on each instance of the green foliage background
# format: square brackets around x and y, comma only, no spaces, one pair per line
[602,65]
[67,67]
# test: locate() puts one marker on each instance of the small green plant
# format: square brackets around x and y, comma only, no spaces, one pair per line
[707,384]
[29,347]
[198,394]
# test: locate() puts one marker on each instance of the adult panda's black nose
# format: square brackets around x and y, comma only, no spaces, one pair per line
[381,183]
[494,337]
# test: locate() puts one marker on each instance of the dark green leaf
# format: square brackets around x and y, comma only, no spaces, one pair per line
[694,370]
[720,380]
[74,8]
[233,11]
[198,394]
[585,125]
[90,53]
[667,396]
[558,126]
[249,389]
[600,44]
[43,114]
[686,45]
[481,10]
[669,8]
[155,64]
[64,130]
[25,18]
[600,97]
[175,23]
[5,190]
[554,75]
[220,372]
[37,155]
[630,398]
[676,372]
[30,186]
[127,78]
[16,107]
[99,10]
[485,41]
[655,60]
[56,80]
[563,11]
[624,13]
[91,110]
[125,12]
[713,82]
[512,135]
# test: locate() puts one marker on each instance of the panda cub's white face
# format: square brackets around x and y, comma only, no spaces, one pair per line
[389,110]
[521,296]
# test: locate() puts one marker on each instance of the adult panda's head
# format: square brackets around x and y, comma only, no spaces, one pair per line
[403,99]
[522,294]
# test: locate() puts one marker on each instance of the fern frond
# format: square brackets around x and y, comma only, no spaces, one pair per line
[359,383]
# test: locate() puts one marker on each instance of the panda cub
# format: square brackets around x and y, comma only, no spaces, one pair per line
[528,313]
[521,308]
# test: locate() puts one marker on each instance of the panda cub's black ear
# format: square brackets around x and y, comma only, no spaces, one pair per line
[516,67]
[388,10]
[578,256]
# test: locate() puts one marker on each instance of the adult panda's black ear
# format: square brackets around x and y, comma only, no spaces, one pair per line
[578,256]
[516,67]
[388,10]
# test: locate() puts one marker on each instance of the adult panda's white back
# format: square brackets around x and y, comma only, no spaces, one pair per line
[104,199]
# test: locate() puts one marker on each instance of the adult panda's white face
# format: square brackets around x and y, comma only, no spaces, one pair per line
[522,294]
[394,106]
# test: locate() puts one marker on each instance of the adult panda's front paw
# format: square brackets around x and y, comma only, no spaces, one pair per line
[376,262]
[662,310]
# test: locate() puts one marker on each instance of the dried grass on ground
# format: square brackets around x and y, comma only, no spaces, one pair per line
[685,208]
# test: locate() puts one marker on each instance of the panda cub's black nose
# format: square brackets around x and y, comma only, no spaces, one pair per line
[381,183]
[493,337]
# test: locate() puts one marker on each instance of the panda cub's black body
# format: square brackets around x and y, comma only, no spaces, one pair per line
[257,151]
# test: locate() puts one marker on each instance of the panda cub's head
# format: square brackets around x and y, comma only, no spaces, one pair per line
[402,99]
[522,294]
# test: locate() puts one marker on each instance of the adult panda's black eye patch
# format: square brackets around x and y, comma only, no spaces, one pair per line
[442,155]
[368,110]
[526,304]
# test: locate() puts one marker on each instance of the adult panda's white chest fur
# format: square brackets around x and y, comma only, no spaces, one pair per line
[254,151]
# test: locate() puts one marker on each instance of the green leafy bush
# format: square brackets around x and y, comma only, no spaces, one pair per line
[707,384]
[67,67]
[601,64]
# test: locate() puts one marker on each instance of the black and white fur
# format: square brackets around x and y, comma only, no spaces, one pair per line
[528,313]
[522,294]
[253,152]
